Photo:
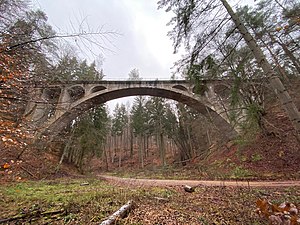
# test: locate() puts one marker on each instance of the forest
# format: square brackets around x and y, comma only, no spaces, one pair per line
[252,49]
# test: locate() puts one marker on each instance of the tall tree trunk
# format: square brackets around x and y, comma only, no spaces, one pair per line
[105,158]
[286,50]
[172,147]
[191,149]
[162,149]
[115,144]
[120,150]
[281,70]
[145,146]
[65,152]
[284,97]
[127,141]
[109,146]
[141,153]
[131,142]
[81,159]
[290,55]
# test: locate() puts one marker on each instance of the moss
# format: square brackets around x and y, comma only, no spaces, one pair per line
[240,172]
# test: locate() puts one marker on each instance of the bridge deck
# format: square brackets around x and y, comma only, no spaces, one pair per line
[124,82]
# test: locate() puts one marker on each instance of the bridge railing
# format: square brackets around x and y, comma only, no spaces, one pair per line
[141,79]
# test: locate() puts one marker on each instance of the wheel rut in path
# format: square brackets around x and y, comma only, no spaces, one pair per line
[162,183]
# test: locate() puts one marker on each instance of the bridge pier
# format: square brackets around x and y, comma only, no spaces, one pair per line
[38,107]
[63,103]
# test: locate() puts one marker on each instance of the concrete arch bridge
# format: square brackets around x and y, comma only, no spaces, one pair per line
[55,105]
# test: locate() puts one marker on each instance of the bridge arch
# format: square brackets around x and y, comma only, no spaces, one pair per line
[97,88]
[180,87]
[100,94]
[76,92]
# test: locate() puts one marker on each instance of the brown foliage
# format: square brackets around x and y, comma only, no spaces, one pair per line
[12,72]
[283,214]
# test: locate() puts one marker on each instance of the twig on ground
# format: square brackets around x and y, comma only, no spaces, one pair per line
[31,215]
[27,171]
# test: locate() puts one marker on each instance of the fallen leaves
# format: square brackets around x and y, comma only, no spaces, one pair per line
[284,214]
[10,169]
[5,166]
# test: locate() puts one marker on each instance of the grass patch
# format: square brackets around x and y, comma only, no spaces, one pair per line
[88,201]
[256,157]
[168,172]
[239,173]
[54,191]
[70,195]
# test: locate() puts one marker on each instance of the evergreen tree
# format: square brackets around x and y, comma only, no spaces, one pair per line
[87,137]
[157,114]
[139,124]
[70,68]
[134,75]
[119,124]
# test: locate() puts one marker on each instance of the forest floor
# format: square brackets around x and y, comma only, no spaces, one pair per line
[90,201]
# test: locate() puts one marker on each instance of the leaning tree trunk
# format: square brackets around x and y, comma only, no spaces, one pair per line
[290,55]
[276,84]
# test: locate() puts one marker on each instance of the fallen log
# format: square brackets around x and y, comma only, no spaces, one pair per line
[119,214]
[12,218]
[191,189]
[31,215]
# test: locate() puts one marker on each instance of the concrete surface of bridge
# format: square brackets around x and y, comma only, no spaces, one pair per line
[55,105]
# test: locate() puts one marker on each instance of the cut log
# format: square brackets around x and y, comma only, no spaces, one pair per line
[189,189]
[121,213]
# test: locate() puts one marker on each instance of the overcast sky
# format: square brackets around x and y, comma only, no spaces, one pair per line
[142,43]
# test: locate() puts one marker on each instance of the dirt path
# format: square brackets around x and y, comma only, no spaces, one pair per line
[156,182]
